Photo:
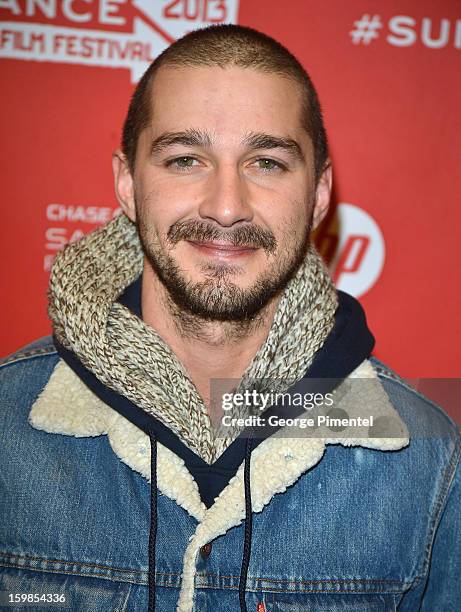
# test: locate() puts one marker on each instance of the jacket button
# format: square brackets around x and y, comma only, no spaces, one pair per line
[206,550]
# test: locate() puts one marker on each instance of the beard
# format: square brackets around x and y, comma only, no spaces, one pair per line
[217,298]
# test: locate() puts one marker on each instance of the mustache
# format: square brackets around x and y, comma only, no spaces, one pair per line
[251,236]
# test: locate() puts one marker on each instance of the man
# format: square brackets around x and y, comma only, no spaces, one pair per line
[222,174]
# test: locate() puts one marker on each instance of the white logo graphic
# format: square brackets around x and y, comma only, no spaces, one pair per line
[162,22]
[404,31]
[366,29]
[353,245]
[70,222]
[177,17]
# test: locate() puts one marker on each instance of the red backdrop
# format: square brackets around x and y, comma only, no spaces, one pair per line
[389,84]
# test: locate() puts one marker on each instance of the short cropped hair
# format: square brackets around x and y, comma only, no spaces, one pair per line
[228,45]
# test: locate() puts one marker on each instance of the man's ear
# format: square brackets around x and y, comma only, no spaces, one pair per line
[322,196]
[123,182]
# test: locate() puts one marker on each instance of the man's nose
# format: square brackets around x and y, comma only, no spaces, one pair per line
[226,200]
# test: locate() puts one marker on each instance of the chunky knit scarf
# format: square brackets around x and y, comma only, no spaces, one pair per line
[132,359]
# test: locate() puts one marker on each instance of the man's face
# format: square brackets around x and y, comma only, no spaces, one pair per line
[223,190]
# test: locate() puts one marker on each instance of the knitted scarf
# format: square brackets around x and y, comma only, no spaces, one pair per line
[130,357]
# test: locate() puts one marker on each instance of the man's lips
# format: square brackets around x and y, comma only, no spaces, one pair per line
[221,248]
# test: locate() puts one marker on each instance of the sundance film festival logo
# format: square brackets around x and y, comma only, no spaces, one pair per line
[60,33]
[405,31]
[353,246]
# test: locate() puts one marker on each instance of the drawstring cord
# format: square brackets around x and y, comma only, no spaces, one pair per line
[153,523]
[248,526]
[153,520]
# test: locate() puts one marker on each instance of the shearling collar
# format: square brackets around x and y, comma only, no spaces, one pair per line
[66,406]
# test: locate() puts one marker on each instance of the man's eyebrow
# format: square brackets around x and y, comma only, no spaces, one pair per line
[253,140]
[188,138]
[259,140]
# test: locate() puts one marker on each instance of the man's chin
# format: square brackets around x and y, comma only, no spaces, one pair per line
[217,291]
[220,299]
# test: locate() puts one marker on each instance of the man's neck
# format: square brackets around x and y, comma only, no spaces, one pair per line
[207,349]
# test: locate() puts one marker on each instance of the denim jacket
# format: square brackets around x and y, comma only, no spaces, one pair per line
[344,528]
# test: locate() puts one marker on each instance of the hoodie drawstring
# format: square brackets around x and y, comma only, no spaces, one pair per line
[153,523]
[248,526]
[153,520]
